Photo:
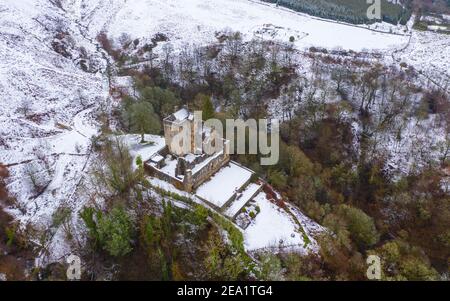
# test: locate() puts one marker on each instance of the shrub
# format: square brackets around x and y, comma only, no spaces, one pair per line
[360,225]
[115,232]
[222,263]
[88,215]
[415,270]
[278,179]
[422,26]
[139,161]
[10,235]
[112,232]
[200,216]
[271,268]
[4,173]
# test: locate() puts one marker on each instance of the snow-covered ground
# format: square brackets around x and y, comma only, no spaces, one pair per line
[50,105]
[48,113]
[429,53]
[36,78]
[196,21]
[145,151]
[274,228]
[224,184]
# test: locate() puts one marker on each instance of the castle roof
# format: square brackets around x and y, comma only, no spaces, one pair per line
[180,115]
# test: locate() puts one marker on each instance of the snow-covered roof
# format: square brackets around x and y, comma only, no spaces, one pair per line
[157,158]
[242,200]
[224,184]
[203,164]
[180,116]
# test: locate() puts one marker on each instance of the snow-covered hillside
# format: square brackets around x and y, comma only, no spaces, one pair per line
[428,52]
[196,21]
[48,107]
[54,83]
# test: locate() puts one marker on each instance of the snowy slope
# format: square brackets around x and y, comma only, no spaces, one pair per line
[196,21]
[428,52]
[50,105]
[48,110]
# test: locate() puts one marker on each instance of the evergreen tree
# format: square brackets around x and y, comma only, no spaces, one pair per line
[144,120]
[208,108]
[163,101]
[111,231]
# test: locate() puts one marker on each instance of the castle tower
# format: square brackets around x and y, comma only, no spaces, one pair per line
[173,126]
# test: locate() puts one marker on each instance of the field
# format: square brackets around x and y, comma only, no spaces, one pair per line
[196,22]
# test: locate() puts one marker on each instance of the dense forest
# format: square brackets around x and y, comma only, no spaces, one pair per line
[351,11]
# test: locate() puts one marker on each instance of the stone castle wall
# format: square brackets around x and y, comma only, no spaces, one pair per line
[209,170]
[191,180]
[154,172]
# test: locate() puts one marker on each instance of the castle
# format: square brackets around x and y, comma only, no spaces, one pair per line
[187,168]
[224,185]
